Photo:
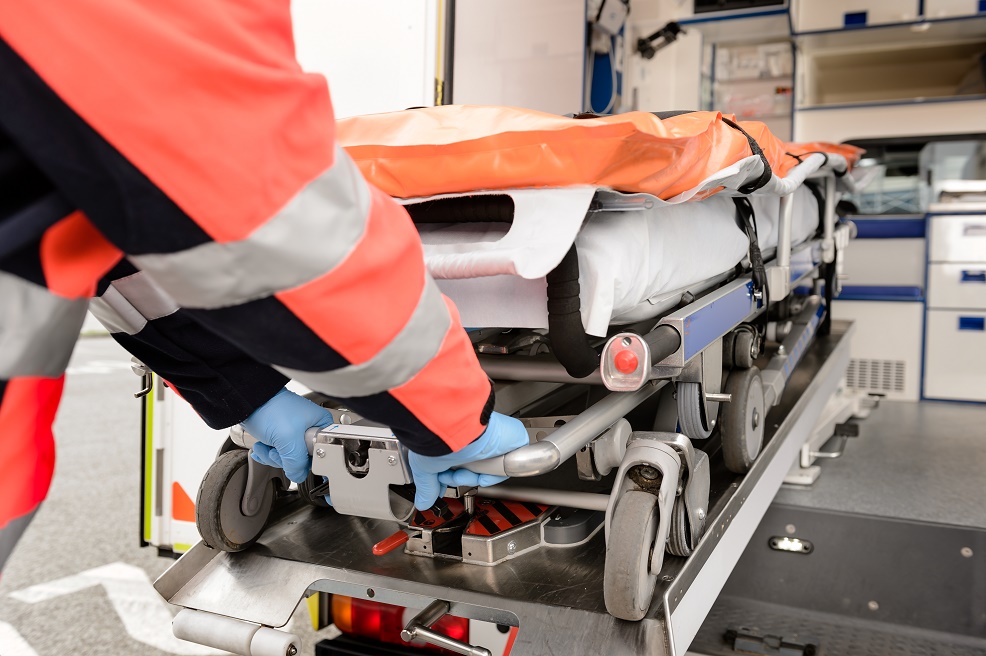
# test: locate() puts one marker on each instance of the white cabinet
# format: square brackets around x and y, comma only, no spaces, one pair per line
[884,262]
[955,349]
[955,356]
[885,356]
[814,15]
[958,238]
[952,8]
[957,286]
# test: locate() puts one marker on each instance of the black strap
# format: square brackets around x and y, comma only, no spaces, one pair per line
[816,191]
[672,113]
[802,156]
[747,221]
[758,151]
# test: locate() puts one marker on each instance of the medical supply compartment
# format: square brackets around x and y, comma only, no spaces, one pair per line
[955,354]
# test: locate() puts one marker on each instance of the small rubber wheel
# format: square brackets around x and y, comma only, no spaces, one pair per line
[679,537]
[743,343]
[305,491]
[742,420]
[218,517]
[691,412]
[628,585]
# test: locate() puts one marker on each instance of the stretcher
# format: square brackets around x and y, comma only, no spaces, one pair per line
[667,347]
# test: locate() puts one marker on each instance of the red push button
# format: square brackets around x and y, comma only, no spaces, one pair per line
[626,361]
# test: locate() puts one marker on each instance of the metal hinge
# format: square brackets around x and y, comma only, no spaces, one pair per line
[745,641]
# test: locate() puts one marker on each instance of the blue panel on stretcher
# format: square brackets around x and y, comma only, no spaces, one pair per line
[711,322]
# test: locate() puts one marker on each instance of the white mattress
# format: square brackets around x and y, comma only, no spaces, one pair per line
[628,260]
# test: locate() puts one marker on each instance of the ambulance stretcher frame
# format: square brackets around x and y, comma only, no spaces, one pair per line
[232,599]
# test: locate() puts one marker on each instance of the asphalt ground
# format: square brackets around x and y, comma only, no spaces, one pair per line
[78,582]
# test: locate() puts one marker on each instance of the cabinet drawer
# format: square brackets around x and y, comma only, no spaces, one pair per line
[886,262]
[952,8]
[959,286]
[955,355]
[813,15]
[958,238]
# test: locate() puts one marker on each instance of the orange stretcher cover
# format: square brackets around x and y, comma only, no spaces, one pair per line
[462,148]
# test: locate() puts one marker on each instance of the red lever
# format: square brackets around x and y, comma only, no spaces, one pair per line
[388,544]
[626,361]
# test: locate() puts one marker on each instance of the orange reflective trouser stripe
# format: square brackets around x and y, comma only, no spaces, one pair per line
[27,411]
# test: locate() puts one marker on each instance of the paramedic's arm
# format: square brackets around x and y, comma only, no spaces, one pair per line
[222,383]
[238,203]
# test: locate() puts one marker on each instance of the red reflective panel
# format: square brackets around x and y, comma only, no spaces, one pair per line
[383,622]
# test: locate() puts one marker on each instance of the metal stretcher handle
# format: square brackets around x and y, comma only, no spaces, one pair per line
[559,446]
[419,628]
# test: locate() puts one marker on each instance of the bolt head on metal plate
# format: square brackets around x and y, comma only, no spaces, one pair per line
[320,453]
[511,548]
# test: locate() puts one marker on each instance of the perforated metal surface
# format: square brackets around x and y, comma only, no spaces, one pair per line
[876,375]
[833,635]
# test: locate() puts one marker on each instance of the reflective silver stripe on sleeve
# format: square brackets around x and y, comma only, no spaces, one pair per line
[407,353]
[38,330]
[305,240]
[129,303]
[11,533]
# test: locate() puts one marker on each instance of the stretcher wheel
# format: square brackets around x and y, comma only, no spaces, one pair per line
[743,420]
[218,517]
[691,412]
[743,345]
[679,537]
[628,585]
[305,491]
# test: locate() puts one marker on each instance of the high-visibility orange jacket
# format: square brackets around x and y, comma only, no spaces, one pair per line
[184,136]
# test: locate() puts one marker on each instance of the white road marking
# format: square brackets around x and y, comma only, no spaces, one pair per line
[98,367]
[144,613]
[12,642]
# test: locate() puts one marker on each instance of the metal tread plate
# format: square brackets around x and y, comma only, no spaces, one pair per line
[553,595]
[833,635]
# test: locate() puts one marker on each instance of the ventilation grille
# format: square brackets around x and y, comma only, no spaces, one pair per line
[876,375]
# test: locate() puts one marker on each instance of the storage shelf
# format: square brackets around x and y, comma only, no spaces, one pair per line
[910,73]
[759,80]
[890,120]
[893,103]
[904,34]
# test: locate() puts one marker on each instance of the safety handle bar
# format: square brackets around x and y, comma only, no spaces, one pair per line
[420,628]
[546,455]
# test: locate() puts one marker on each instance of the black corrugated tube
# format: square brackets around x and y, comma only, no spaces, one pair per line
[569,342]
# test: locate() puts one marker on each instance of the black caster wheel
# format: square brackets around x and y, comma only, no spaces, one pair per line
[628,585]
[742,420]
[218,515]
[313,491]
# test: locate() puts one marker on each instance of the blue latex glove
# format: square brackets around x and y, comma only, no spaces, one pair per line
[280,426]
[432,474]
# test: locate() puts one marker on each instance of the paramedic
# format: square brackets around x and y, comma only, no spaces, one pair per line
[173,160]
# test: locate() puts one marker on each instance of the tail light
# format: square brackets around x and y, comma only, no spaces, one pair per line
[383,622]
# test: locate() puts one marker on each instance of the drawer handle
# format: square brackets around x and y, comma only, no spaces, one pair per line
[854,19]
[974,230]
[972,323]
[974,276]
